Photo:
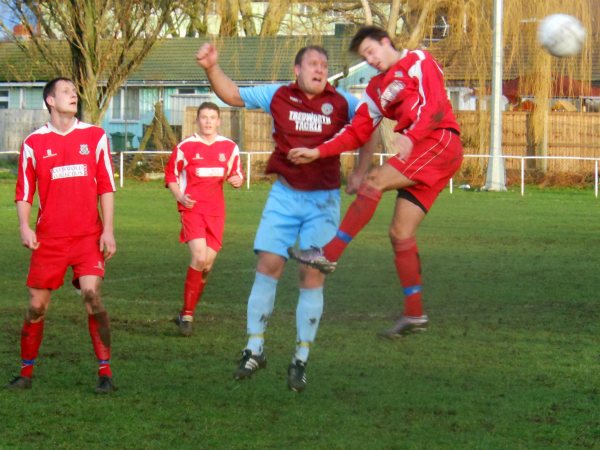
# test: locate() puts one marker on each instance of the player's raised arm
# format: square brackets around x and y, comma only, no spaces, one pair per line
[207,57]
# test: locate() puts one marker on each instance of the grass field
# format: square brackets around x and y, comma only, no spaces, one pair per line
[511,359]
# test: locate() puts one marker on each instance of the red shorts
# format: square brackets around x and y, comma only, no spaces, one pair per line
[54,256]
[199,226]
[431,164]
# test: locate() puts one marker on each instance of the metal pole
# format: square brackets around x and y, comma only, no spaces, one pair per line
[121,169]
[248,171]
[496,175]
[522,177]
[596,178]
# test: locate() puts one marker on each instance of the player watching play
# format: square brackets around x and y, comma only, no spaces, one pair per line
[195,173]
[69,163]
[410,90]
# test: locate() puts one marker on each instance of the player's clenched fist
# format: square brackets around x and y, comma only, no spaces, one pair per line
[207,56]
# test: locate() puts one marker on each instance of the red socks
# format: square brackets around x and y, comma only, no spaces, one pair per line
[194,286]
[31,339]
[99,327]
[408,268]
[358,215]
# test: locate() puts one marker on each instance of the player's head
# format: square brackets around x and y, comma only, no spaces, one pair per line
[60,94]
[311,69]
[208,119]
[375,46]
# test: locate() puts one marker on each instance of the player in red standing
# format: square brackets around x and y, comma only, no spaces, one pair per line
[69,163]
[410,90]
[195,173]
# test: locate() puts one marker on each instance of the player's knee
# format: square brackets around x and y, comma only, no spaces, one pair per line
[199,263]
[399,234]
[374,179]
[35,312]
[92,300]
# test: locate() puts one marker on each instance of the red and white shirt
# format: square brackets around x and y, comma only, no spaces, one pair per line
[70,170]
[411,92]
[200,168]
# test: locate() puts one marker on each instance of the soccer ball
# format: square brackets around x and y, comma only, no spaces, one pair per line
[561,35]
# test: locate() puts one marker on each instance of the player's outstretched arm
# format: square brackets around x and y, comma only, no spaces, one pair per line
[207,57]
[302,155]
[108,245]
[365,156]
[28,236]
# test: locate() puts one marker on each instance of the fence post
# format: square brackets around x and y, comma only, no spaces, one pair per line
[248,170]
[121,169]
[596,178]
[522,177]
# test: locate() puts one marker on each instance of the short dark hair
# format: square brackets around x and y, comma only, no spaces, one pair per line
[208,105]
[50,86]
[371,32]
[303,50]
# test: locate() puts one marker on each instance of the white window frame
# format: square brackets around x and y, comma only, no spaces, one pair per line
[5,99]
[119,105]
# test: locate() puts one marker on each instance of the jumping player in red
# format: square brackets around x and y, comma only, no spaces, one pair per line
[410,90]
[195,173]
[69,162]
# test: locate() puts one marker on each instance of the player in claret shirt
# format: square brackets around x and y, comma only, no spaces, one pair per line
[410,90]
[69,163]
[195,173]
[303,204]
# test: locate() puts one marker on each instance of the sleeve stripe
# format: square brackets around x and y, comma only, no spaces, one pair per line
[102,150]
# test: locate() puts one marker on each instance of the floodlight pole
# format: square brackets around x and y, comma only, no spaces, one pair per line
[496,175]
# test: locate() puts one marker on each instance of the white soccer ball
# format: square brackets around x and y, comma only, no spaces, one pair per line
[561,35]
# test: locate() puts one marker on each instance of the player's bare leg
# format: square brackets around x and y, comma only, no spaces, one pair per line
[202,259]
[99,329]
[31,336]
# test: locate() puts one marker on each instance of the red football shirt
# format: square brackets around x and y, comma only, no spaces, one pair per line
[70,170]
[200,169]
[411,92]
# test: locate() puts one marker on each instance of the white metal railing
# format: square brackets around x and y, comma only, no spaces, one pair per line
[381,159]
[382,156]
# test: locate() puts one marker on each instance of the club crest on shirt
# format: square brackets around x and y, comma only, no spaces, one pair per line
[222,157]
[327,108]
[399,74]
[84,150]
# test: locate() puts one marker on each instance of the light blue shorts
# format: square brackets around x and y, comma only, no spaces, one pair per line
[310,218]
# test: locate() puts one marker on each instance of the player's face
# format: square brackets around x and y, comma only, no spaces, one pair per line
[64,99]
[378,54]
[208,123]
[312,72]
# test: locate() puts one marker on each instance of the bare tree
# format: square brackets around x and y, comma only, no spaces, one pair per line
[247,17]
[97,43]
[273,17]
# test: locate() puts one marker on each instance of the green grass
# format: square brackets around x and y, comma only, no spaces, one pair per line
[511,360]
